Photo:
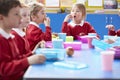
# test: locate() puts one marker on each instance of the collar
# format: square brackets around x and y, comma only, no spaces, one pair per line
[6,35]
[34,24]
[19,31]
[73,24]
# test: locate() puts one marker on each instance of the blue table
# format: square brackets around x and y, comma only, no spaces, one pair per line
[89,56]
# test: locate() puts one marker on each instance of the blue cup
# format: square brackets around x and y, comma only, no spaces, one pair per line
[57,43]
[62,36]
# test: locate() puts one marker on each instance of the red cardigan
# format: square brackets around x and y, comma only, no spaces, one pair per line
[75,31]
[35,35]
[12,63]
[113,33]
[22,44]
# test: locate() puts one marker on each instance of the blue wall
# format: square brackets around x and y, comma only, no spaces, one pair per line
[98,21]
[56,20]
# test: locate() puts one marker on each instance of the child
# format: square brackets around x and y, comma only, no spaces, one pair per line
[34,34]
[77,26]
[112,31]
[12,64]
[20,34]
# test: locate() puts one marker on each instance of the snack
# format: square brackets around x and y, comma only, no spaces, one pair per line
[69,51]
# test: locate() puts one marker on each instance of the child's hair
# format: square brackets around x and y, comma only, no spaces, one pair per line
[7,5]
[35,7]
[82,8]
[23,5]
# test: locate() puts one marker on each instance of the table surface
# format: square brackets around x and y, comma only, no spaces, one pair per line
[91,57]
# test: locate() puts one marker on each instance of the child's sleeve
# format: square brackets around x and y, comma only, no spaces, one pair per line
[112,33]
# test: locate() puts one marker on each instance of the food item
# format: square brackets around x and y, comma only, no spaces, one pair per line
[69,51]
[54,35]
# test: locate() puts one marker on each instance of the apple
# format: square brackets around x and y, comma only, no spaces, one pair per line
[69,51]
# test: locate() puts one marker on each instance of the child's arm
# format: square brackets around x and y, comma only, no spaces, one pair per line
[67,18]
[111,29]
[118,32]
[40,44]
[36,59]
[65,27]
[47,22]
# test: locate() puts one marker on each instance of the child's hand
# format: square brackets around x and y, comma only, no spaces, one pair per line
[41,44]
[36,59]
[47,21]
[67,18]
[82,34]
[109,41]
[110,27]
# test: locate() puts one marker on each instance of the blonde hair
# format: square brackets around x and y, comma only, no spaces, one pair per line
[23,5]
[35,7]
[81,7]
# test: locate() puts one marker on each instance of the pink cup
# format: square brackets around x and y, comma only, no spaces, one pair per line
[107,58]
[90,42]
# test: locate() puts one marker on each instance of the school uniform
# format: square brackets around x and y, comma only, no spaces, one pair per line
[12,64]
[74,30]
[22,43]
[113,33]
[34,34]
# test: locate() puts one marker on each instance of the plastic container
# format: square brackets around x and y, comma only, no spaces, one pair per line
[69,38]
[117,52]
[52,54]
[83,39]
[101,44]
[74,45]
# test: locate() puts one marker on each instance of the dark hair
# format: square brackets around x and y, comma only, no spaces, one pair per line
[7,5]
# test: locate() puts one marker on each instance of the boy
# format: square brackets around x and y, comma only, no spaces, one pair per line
[12,65]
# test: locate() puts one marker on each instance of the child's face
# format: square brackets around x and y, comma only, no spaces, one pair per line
[76,14]
[25,14]
[13,18]
[41,15]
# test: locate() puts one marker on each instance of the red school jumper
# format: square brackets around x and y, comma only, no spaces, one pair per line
[34,34]
[12,63]
[74,30]
[22,43]
[113,33]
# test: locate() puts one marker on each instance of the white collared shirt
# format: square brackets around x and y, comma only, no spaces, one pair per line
[73,24]
[19,31]
[34,24]
[6,35]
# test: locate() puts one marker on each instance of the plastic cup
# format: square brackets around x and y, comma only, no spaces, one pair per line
[57,43]
[62,36]
[90,42]
[107,58]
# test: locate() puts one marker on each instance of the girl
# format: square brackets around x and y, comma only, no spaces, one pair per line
[34,34]
[77,26]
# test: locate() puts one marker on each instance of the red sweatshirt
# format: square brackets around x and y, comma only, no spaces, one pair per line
[113,33]
[22,43]
[34,35]
[12,64]
[75,30]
